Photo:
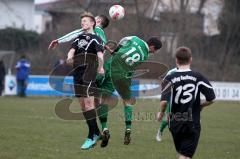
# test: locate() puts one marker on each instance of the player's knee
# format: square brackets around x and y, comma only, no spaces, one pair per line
[89,107]
[129,102]
[81,102]
[89,103]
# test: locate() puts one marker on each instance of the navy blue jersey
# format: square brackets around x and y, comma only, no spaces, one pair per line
[86,47]
[184,95]
[87,43]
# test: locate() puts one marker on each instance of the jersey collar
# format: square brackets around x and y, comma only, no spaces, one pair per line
[183,70]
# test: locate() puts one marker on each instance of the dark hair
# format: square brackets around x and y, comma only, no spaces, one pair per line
[89,15]
[183,55]
[105,21]
[155,41]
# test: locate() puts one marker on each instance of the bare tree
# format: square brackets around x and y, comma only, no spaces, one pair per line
[230,34]
[201,5]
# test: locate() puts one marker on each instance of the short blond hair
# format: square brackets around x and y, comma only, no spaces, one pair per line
[89,15]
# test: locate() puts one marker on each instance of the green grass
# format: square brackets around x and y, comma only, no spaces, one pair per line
[30,129]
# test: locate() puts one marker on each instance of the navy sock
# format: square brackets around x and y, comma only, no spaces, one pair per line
[90,117]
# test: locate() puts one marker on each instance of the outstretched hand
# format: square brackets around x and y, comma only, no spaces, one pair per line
[53,44]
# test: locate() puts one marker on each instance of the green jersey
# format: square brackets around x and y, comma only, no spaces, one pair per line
[132,52]
[99,32]
[171,71]
[74,34]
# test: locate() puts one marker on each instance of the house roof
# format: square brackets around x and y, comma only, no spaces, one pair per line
[63,6]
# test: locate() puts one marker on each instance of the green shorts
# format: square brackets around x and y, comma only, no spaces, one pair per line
[104,83]
[121,77]
[123,87]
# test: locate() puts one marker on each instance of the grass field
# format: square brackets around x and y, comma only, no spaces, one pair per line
[30,129]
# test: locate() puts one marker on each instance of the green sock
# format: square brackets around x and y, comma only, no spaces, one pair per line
[103,114]
[163,125]
[128,109]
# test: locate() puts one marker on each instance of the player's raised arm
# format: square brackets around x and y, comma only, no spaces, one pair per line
[112,46]
[106,47]
[66,38]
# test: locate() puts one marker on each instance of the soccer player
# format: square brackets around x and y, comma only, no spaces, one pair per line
[103,82]
[85,48]
[185,106]
[130,53]
[164,122]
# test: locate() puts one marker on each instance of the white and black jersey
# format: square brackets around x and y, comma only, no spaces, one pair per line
[184,118]
[87,42]
[86,47]
[184,96]
[85,63]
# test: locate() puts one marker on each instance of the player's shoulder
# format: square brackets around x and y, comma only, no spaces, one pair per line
[169,76]
[98,38]
[137,39]
[172,71]
[175,72]
[197,74]
[141,42]
[98,30]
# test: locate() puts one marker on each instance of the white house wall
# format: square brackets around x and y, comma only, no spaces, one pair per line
[17,14]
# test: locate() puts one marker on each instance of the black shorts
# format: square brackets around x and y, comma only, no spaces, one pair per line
[186,143]
[84,87]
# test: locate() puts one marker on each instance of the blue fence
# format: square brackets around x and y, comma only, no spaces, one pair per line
[41,86]
[58,86]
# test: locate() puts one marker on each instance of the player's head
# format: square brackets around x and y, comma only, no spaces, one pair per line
[154,44]
[183,56]
[87,21]
[102,21]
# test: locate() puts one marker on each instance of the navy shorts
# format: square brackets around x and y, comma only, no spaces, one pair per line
[186,143]
[85,85]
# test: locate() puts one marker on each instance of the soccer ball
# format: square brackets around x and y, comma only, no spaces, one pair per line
[116,12]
